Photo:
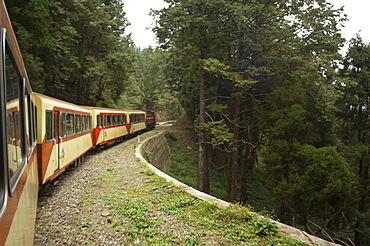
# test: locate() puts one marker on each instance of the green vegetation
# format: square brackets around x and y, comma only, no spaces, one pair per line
[259,78]
[149,88]
[141,214]
[184,169]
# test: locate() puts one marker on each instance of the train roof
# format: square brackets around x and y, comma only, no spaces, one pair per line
[112,110]
[107,110]
[136,111]
[60,104]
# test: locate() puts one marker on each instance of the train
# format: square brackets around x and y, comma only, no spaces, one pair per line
[41,136]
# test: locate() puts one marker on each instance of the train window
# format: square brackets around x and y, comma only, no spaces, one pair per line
[110,120]
[31,122]
[77,124]
[13,108]
[69,122]
[63,133]
[16,113]
[98,121]
[49,125]
[105,120]
[116,120]
[34,123]
[83,123]
[90,122]
[27,125]
[87,126]
[87,123]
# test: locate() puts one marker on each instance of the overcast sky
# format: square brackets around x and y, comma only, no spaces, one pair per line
[138,14]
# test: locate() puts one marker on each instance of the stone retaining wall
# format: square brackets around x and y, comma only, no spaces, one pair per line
[157,151]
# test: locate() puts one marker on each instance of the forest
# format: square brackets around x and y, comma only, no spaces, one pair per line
[263,81]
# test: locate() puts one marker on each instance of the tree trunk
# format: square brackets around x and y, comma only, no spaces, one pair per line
[363,180]
[203,179]
[233,161]
[250,152]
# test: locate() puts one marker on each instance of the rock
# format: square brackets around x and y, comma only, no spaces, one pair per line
[105,213]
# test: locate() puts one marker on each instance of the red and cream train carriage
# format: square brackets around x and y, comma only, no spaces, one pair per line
[63,135]
[115,124]
[137,121]
[108,125]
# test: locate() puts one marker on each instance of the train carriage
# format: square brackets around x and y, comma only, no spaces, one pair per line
[109,124]
[18,164]
[64,135]
[137,121]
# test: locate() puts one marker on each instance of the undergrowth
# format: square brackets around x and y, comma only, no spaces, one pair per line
[184,167]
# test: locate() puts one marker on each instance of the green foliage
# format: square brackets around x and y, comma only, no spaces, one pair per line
[219,69]
[150,87]
[353,113]
[216,132]
[265,227]
[183,162]
[318,180]
[79,55]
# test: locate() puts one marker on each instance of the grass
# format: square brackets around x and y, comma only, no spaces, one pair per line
[232,226]
[157,213]
[151,211]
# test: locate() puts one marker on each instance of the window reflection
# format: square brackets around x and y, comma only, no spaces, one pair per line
[14,123]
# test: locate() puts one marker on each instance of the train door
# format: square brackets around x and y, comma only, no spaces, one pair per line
[56,138]
[104,129]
